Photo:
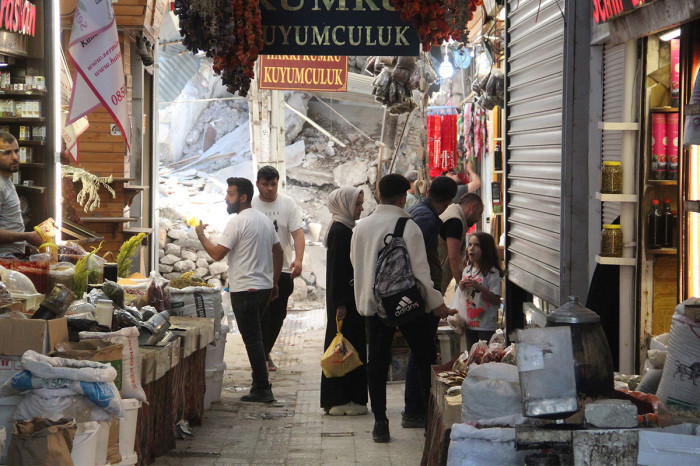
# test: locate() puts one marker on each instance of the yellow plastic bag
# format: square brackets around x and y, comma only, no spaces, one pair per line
[340,358]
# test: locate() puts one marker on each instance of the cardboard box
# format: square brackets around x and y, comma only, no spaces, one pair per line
[20,335]
[9,366]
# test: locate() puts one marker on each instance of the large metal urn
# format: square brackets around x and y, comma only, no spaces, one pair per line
[593,364]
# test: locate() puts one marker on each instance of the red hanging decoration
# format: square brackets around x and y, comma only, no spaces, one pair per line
[442,140]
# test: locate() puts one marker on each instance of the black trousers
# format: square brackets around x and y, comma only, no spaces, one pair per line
[248,307]
[276,312]
[420,338]
[414,402]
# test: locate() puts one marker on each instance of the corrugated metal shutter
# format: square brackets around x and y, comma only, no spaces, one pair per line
[535,54]
[613,87]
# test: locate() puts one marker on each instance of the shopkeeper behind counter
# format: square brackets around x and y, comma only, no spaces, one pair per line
[13,238]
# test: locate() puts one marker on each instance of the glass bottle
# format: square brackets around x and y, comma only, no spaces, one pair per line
[611,241]
[655,226]
[669,223]
[611,178]
[498,157]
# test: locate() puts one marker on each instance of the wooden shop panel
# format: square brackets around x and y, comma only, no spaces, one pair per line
[128,10]
[665,293]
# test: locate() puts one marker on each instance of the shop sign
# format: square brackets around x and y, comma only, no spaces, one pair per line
[18,16]
[605,10]
[13,44]
[96,54]
[336,27]
[304,73]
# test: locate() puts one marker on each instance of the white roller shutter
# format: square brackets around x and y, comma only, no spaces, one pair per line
[535,88]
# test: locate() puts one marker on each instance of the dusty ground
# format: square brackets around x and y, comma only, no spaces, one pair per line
[294,430]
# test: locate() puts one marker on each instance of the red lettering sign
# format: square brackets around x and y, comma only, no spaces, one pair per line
[304,73]
[18,16]
[605,10]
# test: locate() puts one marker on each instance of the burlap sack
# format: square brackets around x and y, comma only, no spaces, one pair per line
[41,442]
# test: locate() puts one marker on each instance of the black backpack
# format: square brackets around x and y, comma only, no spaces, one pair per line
[395,290]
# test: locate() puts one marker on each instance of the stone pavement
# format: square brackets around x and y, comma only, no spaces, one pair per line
[294,430]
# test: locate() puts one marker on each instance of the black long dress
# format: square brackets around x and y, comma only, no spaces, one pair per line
[338,391]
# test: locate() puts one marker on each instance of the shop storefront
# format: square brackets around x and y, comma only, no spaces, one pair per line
[28,93]
[646,62]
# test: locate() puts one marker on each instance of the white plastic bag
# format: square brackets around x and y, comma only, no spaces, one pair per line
[198,301]
[458,322]
[679,384]
[131,359]
[37,403]
[470,446]
[491,390]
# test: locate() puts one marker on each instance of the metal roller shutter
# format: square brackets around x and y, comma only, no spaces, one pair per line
[613,87]
[535,87]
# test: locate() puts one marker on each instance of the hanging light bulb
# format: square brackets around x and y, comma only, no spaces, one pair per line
[446,69]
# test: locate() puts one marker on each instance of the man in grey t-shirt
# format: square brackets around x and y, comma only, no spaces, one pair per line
[12,235]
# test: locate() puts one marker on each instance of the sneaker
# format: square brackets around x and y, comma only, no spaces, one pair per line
[412,421]
[380,433]
[340,410]
[356,410]
[259,395]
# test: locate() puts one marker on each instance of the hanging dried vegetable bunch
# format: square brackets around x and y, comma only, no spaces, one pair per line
[229,31]
[88,198]
[437,20]
[396,78]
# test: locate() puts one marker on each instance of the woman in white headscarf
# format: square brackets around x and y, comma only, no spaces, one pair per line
[345,395]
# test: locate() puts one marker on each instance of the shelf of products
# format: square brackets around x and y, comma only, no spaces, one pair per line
[628,261]
[28,93]
[617,126]
[664,251]
[616,197]
[664,110]
[663,182]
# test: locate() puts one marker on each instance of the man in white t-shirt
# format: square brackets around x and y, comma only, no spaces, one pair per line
[254,266]
[12,235]
[285,215]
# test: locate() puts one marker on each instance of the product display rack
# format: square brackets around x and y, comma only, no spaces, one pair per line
[35,173]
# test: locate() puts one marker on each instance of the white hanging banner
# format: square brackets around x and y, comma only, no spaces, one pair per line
[95,52]
[69,133]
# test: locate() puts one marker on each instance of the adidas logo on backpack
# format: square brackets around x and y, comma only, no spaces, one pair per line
[395,291]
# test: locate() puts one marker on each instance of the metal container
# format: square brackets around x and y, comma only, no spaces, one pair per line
[154,328]
[592,356]
[546,369]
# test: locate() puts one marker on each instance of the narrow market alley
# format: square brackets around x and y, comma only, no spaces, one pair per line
[294,429]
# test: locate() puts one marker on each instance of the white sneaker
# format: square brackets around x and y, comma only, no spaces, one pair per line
[340,410]
[356,410]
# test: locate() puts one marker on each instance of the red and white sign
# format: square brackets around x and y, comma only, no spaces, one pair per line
[18,16]
[99,73]
[70,133]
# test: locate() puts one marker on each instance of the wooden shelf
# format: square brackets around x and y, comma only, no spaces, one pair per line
[28,93]
[664,251]
[27,142]
[38,189]
[692,206]
[108,219]
[616,197]
[692,109]
[498,172]
[663,182]
[135,187]
[617,126]
[22,119]
[664,109]
[31,165]
[629,261]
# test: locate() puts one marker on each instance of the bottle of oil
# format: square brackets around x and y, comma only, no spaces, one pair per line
[669,224]
[655,226]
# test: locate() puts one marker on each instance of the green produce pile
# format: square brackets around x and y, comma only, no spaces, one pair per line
[187,279]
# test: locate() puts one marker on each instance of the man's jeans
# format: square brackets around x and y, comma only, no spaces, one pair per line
[415,404]
[421,339]
[276,312]
[248,307]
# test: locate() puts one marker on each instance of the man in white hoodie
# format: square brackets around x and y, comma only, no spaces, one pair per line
[367,241]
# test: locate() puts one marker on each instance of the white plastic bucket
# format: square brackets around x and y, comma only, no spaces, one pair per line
[215,354]
[214,379]
[102,442]
[129,460]
[7,413]
[127,427]
[85,443]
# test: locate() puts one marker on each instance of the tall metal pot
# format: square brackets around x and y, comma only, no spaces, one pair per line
[593,362]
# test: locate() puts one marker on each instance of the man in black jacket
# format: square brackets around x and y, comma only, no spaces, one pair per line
[426,214]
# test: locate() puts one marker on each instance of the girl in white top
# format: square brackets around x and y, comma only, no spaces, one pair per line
[479,288]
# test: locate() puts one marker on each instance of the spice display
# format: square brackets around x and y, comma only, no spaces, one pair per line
[187,279]
[611,178]
[126,254]
[438,20]
[611,241]
[229,31]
